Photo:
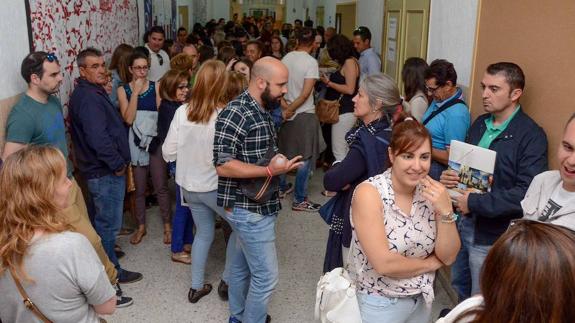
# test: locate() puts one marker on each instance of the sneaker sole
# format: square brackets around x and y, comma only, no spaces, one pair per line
[305,210]
[126,304]
[131,281]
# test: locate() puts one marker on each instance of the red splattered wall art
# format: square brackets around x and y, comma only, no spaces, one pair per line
[65,27]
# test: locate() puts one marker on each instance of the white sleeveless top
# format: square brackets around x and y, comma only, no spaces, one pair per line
[412,236]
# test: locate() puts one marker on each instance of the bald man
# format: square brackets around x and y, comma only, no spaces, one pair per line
[244,134]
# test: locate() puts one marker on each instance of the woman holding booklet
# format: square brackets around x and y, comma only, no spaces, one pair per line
[411,213]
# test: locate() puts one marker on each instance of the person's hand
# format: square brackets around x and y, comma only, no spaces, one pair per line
[324,78]
[121,171]
[281,165]
[437,194]
[449,178]
[287,114]
[139,85]
[461,202]
[231,63]
[434,262]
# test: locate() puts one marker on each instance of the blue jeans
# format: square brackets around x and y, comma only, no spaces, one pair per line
[108,196]
[182,225]
[467,267]
[204,211]
[301,181]
[253,264]
[382,309]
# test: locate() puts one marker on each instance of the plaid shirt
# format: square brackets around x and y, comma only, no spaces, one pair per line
[243,132]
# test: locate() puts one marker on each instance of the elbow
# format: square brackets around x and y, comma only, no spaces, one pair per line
[447,260]
[107,308]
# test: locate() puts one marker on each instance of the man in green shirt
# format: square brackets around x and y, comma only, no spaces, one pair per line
[37,119]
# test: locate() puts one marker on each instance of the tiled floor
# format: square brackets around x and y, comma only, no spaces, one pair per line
[162,295]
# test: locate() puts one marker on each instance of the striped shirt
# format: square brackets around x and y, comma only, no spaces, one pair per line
[243,132]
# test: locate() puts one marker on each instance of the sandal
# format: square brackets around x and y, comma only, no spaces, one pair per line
[328,193]
[195,295]
[137,236]
[167,234]
[188,248]
[182,257]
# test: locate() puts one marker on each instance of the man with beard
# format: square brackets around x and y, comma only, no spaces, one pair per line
[244,133]
[37,119]
[101,149]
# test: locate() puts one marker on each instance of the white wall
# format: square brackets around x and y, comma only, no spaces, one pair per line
[452,35]
[219,9]
[14,46]
[369,13]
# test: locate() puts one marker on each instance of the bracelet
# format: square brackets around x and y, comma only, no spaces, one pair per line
[449,217]
[269,171]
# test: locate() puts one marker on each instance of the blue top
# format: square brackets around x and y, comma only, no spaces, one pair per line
[451,124]
[146,100]
[369,63]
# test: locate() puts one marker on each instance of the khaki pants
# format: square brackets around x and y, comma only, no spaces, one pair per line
[77,215]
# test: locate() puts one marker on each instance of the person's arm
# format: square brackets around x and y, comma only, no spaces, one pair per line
[350,169]
[10,148]
[368,220]
[418,106]
[170,146]
[373,64]
[308,85]
[351,72]
[107,308]
[158,97]
[440,155]
[128,107]
[532,160]
[447,242]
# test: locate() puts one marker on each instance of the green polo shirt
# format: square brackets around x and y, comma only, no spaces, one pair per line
[493,131]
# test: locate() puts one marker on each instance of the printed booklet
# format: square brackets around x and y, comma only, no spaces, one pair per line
[474,165]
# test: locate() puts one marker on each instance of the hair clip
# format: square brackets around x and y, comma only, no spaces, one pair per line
[408,118]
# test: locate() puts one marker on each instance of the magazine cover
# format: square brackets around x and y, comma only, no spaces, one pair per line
[474,165]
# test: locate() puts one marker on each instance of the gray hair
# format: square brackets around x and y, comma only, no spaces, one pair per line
[88,52]
[381,92]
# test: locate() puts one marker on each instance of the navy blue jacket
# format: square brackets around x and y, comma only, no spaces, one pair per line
[521,154]
[99,135]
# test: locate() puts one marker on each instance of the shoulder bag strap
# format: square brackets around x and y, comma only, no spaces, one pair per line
[27,301]
[443,108]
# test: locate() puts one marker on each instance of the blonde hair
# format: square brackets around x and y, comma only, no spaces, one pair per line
[30,175]
[182,62]
[237,83]
[207,94]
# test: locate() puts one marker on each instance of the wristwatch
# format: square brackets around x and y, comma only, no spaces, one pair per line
[449,217]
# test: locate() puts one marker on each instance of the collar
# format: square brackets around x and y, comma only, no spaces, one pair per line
[83,82]
[367,51]
[489,121]
[458,94]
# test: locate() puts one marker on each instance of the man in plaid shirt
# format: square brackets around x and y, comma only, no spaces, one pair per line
[244,132]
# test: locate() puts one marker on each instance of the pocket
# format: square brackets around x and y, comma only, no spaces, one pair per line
[375,302]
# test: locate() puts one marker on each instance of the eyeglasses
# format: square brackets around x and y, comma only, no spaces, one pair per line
[160,59]
[140,68]
[183,86]
[431,89]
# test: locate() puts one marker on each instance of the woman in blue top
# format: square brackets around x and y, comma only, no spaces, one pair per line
[139,101]
[447,118]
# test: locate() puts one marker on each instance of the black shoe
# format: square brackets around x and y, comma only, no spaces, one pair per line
[444,312]
[235,320]
[122,301]
[268,318]
[195,295]
[120,254]
[126,277]
[223,290]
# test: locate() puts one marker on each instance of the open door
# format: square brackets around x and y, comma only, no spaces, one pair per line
[346,12]
[405,28]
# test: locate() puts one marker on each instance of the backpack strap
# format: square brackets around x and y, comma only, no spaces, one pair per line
[443,108]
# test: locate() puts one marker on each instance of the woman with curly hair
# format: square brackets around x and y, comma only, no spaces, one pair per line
[57,269]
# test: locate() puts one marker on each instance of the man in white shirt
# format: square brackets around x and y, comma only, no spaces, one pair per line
[300,134]
[159,59]
[369,62]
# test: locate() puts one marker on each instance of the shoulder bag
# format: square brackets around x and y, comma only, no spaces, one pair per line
[443,108]
[261,189]
[327,111]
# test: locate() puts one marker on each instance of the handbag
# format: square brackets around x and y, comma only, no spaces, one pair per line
[326,211]
[261,189]
[327,111]
[335,298]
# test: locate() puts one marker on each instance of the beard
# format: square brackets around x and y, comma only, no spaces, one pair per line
[270,102]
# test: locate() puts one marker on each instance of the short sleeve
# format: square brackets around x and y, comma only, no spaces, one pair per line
[312,71]
[90,275]
[20,127]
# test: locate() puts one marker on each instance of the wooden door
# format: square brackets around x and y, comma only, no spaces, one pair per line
[347,14]
[183,17]
[406,25]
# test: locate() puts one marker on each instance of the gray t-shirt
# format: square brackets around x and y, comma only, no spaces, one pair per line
[68,278]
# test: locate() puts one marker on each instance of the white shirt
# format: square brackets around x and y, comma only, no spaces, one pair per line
[156,70]
[192,145]
[301,66]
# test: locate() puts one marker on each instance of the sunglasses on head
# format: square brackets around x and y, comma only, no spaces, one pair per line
[160,59]
[51,57]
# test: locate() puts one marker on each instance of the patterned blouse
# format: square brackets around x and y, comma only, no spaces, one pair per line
[412,236]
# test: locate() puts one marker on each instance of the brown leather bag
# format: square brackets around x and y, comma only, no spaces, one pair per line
[327,111]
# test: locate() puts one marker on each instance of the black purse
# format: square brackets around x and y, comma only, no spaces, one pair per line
[261,189]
